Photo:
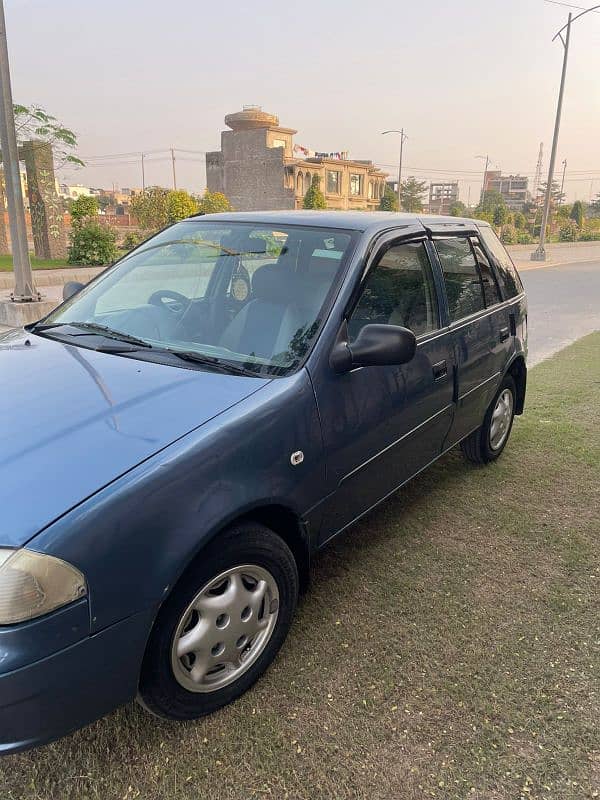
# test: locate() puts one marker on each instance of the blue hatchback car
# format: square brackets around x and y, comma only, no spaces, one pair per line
[186,431]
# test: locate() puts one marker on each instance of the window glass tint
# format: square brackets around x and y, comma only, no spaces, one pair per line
[507,274]
[399,291]
[488,280]
[463,287]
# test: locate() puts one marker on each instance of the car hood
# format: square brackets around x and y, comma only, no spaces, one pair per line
[73,420]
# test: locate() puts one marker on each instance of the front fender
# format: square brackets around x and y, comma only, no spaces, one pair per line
[134,538]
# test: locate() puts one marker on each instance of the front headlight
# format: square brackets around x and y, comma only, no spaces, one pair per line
[33,584]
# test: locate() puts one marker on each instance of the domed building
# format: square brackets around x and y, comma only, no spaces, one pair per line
[259,168]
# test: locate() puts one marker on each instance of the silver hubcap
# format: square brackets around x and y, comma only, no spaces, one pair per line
[225,628]
[501,419]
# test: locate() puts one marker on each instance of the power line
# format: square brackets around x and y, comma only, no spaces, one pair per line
[566,5]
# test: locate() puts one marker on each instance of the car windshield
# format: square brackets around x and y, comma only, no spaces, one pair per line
[251,295]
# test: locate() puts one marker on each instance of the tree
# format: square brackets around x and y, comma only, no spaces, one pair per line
[181,204]
[412,192]
[213,203]
[151,208]
[458,209]
[556,196]
[520,220]
[577,214]
[490,201]
[501,215]
[314,197]
[84,208]
[389,200]
[104,201]
[33,122]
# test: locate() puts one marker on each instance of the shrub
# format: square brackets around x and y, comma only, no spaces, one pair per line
[523,237]
[508,235]
[180,205]
[314,197]
[132,239]
[389,200]
[578,214]
[92,244]
[213,203]
[589,236]
[568,231]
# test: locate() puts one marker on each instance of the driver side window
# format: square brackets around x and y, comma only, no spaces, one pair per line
[399,290]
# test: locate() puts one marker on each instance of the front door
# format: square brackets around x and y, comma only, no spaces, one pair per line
[381,425]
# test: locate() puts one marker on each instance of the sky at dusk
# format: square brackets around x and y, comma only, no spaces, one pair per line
[464,79]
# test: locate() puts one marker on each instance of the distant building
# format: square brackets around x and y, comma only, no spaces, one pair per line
[513,188]
[259,168]
[73,192]
[442,196]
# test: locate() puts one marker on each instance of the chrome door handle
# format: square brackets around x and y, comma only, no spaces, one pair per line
[440,370]
[504,334]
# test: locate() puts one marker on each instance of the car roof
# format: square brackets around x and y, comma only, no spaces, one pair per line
[369,221]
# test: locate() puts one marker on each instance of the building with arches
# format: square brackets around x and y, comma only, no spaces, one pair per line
[258,168]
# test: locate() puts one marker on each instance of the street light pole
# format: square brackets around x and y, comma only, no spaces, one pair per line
[24,287]
[540,253]
[403,138]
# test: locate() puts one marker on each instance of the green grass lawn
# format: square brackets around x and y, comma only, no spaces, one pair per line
[449,647]
[6,263]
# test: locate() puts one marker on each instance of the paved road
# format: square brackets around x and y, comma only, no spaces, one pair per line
[564,305]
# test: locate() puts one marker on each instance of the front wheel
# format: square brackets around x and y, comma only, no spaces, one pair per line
[488,441]
[222,626]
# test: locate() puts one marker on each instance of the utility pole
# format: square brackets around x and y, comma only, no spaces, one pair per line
[562,184]
[538,171]
[143,174]
[485,172]
[24,291]
[403,138]
[174,173]
[540,253]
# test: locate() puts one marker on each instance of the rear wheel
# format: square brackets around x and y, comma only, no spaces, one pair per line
[222,626]
[488,441]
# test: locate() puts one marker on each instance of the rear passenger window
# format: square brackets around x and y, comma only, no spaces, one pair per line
[399,290]
[491,292]
[507,274]
[461,276]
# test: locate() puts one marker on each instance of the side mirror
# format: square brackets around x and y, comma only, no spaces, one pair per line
[375,345]
[70,288]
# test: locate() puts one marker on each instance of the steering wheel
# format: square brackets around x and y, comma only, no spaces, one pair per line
[179,302]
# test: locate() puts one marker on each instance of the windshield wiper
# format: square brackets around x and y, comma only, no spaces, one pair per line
[93,327]
[212,361]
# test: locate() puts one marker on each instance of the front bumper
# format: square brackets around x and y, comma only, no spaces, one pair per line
[71,688]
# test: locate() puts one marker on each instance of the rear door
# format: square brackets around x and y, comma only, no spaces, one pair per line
[479,324]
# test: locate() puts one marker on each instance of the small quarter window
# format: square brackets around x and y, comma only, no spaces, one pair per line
[461,276]
[488,280]
[507,274]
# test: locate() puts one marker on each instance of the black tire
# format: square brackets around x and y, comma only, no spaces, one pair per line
[247,543]
[477,446]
